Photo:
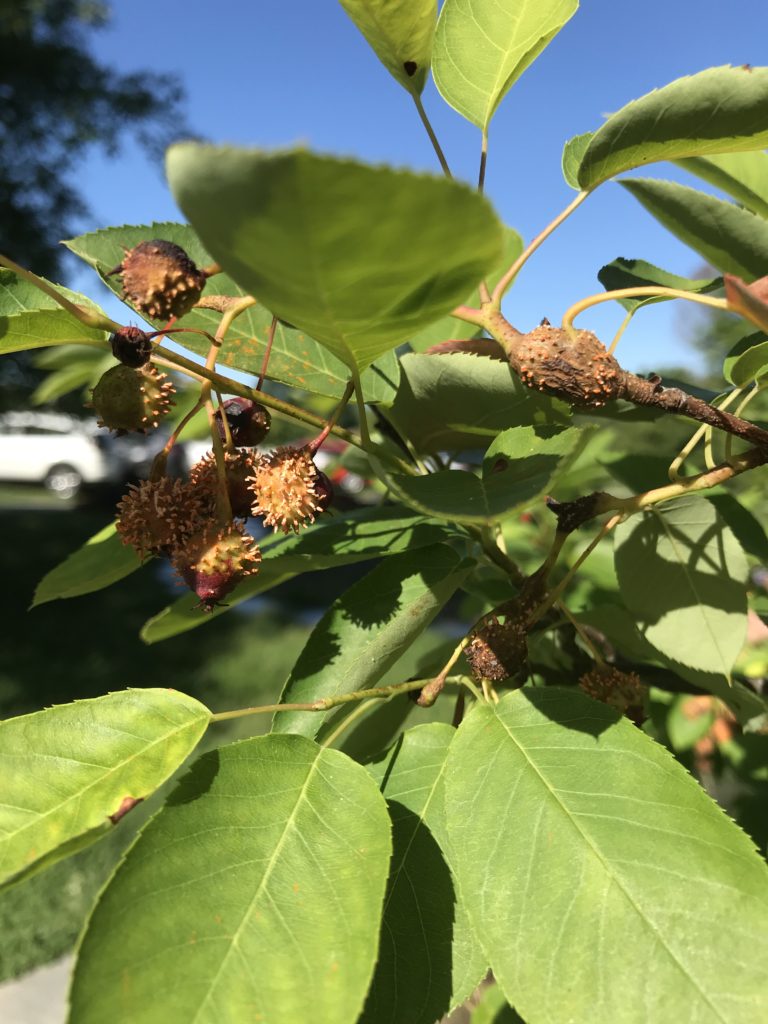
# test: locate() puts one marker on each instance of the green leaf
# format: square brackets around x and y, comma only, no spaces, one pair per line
[573,154]
[623,273]
[448,327]
[356,537]
[748,352]
[18,295]
[400,34]
[742,175]
[682,573]
[296,359]
[368,628]
[731,239]
[425,921]
[482,47]
[620,628]
[31,319]
[591,862]
[44,327]
[101,561]
[384,254]
[720,110]
[455,402]
[518,468]
[746,527]
[67,769]
[83,368]
[255,894]
[751,365]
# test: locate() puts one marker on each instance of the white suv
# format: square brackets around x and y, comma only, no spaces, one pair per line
[58,451]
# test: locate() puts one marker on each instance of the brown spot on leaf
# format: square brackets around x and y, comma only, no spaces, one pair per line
[410,67]
[126,804]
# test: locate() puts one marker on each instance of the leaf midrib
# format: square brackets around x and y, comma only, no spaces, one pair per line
[607,867]
[300,799]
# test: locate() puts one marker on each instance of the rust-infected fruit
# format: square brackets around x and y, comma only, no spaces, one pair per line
[238,466]
[577,369]
[285,483]
[160,279]
[498,650]
[159,516]
[132,400]
[215,560]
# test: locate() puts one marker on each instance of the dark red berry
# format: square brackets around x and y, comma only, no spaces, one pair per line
[249,422]
[131,346]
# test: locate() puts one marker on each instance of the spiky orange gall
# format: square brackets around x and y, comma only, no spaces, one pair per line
[160,279]
[238,467]
[287,489]
[132,400]
[158,516]
[215,560]
[577,369]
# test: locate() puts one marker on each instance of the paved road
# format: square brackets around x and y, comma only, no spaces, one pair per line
[40,997]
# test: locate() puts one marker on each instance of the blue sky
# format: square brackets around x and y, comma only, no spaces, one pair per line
[274,73]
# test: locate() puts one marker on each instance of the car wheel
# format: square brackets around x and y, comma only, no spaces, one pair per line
[63,481]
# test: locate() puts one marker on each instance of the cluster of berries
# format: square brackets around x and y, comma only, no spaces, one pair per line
[204,537]
[198,523]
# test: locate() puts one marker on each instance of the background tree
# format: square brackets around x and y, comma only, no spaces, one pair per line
[58,101]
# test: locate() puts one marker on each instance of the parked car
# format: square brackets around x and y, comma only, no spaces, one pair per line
[61,452]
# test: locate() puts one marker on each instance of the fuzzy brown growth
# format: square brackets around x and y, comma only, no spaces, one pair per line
[249,422]
[238,467]
[132,400]
[160,279]
[131,346]
[620,690]
[159,516]
[579,370]
[498,650]
[215,560]
[286,485]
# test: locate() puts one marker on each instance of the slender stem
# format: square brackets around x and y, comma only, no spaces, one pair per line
[628,293]
[267,353]
[506,280]
[229,444]
[315,445]
[496,555]
[326,703]
[351,718]
[554,595]
[585,638]
[357,384]
[483,161]
[182,424]
[89,317]
[233,387]
[674,469]
[431,133]
[624,325]
[469,315]
[263,709]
